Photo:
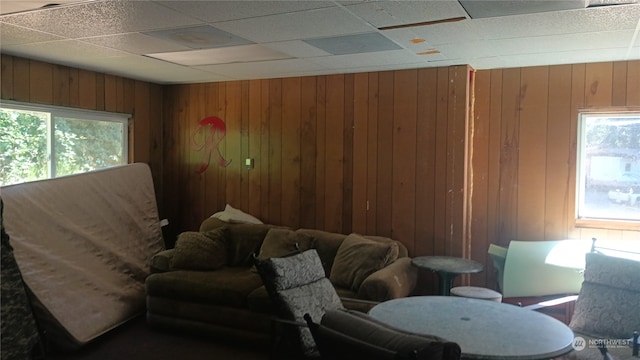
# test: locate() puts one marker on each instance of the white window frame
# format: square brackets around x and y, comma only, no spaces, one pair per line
[597,222]
[73,113]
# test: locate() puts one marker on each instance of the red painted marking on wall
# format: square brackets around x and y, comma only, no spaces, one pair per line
[214,130]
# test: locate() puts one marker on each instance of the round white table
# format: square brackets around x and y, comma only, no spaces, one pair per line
[483,329]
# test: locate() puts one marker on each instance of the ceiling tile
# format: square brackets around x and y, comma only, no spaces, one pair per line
[564,22]
[14,35]
[448,33]
[354,44]
[390,13]
[101,18]
[562,43]
[304,25]
[297,48]
[243,53]
[135,43]
[467,50]
[272,68]
[216,11]
[199,37]
[58,51]
[491,8]
[565,57]
[353,61]
[148,69]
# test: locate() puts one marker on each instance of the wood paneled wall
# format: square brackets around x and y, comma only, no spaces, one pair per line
[523,150]
[379,153]
[38,82]
[387,153]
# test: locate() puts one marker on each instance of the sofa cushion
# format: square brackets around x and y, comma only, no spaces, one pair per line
[359,257]
[244,241]
[326,244]
[281,242]
[228,286]
[200,251]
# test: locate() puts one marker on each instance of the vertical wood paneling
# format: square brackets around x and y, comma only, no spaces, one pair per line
[291,95]
[441,190]
[6,76]
[142,146]
[533,139]
[41,83]
[87,96]
[244,145]
[347,157]
[360,160]
[384,153]
[275,151]
[510,130]
[21,79]
[264,147]
[372,154]
[321,158]
[457,112]
[598,84]
[214,173]
[334,147]
[481,129]
[256,112]
[405,92]
[558,153]
[425,161]
[541,160]
[633,83]
[233,144]
[61,86]
[619,89]
[308,153]
[384,178]
[74,88]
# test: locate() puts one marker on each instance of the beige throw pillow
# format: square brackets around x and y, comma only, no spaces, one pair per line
[200,251]
[359,257]
[281,242]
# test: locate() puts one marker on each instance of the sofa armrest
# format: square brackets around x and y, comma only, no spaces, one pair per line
[161,262]
[393,281]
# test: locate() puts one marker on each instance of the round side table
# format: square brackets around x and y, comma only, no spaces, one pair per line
[447,268]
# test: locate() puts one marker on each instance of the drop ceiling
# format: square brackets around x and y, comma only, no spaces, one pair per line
[170,42]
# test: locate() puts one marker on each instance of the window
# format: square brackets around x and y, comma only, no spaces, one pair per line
[609,166]
[40,142]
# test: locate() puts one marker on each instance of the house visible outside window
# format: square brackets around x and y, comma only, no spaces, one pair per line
[40,142]
[608,178]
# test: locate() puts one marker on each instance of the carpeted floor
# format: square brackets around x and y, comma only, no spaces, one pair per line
[135,340]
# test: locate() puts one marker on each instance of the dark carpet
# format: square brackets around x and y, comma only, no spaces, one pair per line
[136,340]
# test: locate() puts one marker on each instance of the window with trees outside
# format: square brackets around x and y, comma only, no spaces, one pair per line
[40,142]
[608,178]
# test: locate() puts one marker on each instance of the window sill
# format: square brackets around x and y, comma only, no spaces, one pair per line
[608,224]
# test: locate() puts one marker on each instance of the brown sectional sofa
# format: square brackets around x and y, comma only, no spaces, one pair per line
[207,284]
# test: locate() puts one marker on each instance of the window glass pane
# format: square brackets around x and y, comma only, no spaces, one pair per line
[609,178]
[85,145]
[40,141]
[23,146]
